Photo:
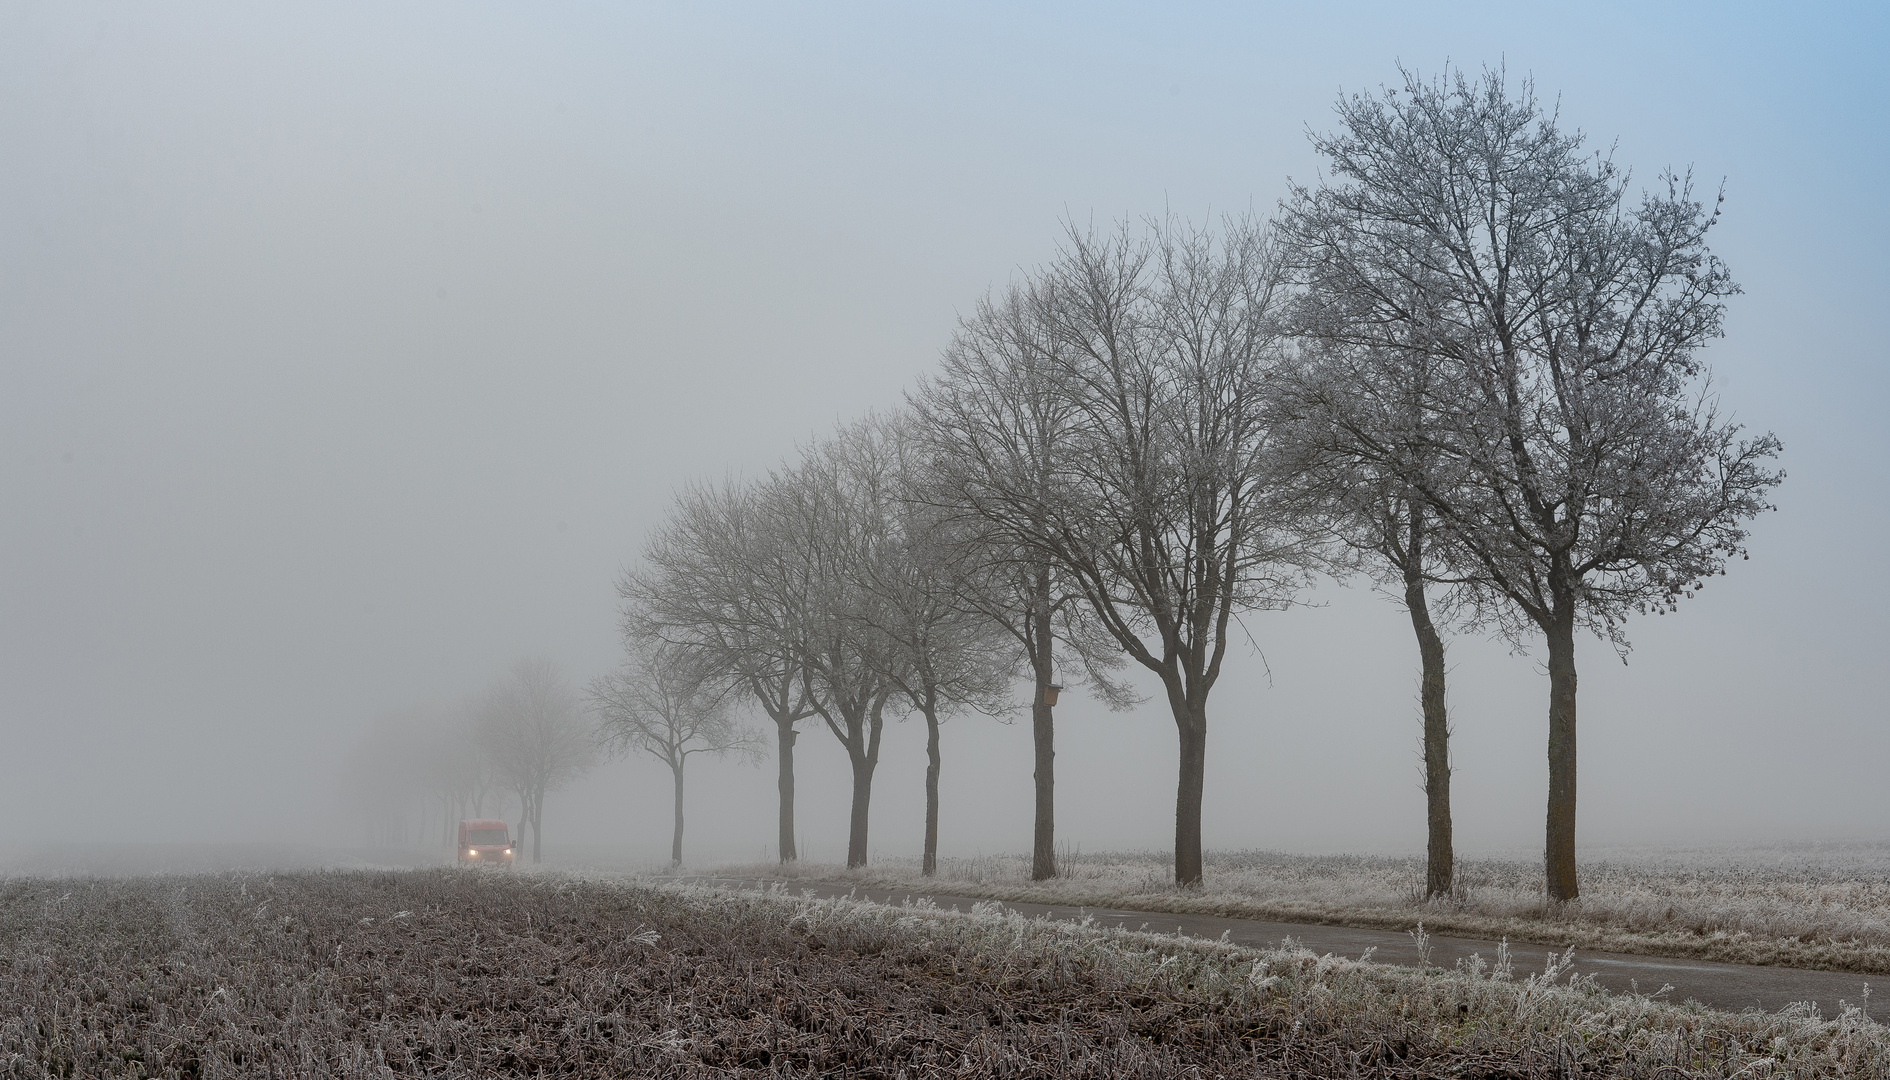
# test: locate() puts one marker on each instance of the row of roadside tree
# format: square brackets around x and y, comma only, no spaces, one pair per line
[415,774]
[500,753]
[1465,362]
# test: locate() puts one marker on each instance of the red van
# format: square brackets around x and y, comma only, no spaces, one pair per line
[484,840]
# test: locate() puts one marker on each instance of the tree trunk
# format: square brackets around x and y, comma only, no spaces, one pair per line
[784,753]
[929,866]
[675,839]
[1043,851]
[1193,728]
[1559,861]
[856,822]
[538,827]
[1440,859]
[1043,857]
[865,759]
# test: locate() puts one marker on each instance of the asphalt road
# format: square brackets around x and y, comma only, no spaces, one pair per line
[1731,987]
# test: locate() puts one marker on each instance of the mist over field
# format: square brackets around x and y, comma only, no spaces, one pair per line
[348,355]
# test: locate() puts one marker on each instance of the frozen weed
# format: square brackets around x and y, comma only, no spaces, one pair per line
[1422,941]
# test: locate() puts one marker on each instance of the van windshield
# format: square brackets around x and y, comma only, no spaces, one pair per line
[485,837]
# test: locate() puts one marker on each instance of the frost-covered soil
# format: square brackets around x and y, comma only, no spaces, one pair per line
[482,973]
[1811,906]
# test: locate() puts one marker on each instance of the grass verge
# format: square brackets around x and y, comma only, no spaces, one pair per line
[1824,909]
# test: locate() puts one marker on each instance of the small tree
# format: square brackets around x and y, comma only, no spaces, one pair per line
[1586,473]
[533,726]
[665,701]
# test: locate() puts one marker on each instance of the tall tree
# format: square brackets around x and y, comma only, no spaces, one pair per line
[1153,354]
[941,655]
[995,427]
[669,702]
[534,729]
[1359,420]
[715,580]
[826,514]
[1167,525]
[1589,474]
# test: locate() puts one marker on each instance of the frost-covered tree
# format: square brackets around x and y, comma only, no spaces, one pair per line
[1584,470]
[1360,420]
[670,702]
[940,654]
[1153,353]
[1169,524]
[714,580]
[994,429]
[826,517]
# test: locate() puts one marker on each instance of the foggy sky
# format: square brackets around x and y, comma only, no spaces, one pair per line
[348,353]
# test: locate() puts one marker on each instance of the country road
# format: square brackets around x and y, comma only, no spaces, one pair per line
[1732,987]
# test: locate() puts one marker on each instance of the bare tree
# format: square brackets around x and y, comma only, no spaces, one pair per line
[995,429]
[827,516]
[714,580]
[533,727]
[1167,524]
[670,702]
[1588,473]
[1360,420]
[1153,356]
[941,656]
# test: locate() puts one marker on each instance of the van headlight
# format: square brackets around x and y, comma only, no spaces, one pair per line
[474,852]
